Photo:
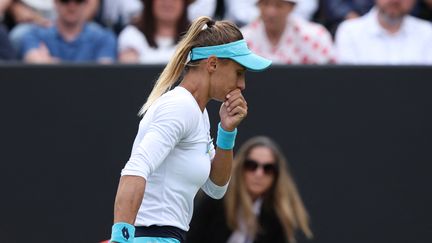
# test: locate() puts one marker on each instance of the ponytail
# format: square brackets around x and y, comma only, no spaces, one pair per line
[175,66]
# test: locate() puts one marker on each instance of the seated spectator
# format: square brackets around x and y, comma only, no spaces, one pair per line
[262,204]
[154,38]
[70,39]
[386,35]
[287,39]
[243,12]
[27,13]
[336,11]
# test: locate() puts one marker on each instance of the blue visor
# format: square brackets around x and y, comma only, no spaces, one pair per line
[237,51]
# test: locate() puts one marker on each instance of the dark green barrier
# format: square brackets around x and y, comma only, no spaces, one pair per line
[358,140]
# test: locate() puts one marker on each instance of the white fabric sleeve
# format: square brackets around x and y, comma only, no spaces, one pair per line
[169,125]
[213,190]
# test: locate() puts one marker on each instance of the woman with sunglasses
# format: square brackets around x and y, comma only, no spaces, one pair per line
[173,155]
[262,203]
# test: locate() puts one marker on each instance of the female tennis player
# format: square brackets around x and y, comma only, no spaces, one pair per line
[173,154]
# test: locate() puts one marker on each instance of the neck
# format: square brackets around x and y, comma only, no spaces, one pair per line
[69,31]
[389,23]
[275,35]
[166,29]
[198,86]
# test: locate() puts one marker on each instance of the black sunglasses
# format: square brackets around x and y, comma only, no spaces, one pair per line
[252,165]
[68,1]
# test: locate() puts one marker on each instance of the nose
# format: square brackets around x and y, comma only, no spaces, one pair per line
[259,171]
[241,83]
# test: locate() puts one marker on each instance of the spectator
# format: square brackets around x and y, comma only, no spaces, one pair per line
[243,12]
[154,38]
[27,13]
[336,11]
[386,35]
[287,39]
[70,39]
[262,203]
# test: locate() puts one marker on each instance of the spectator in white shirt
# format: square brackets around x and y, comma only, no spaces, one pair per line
[154,38]
[387,35]
[287,39]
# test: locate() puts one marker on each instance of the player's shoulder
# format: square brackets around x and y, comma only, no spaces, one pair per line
[179,101]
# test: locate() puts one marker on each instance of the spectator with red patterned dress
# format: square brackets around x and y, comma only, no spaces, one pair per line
[286,39]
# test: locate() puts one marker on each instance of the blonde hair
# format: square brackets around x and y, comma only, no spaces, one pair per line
[202,32]
[283,195]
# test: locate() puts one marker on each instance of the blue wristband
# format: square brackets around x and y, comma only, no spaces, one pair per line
[122,233]
[225,140]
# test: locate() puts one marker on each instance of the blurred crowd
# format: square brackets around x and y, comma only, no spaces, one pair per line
[383,32]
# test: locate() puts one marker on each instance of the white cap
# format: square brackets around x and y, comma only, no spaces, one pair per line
[41,5]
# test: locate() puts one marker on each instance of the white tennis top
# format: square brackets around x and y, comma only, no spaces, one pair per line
[173,152]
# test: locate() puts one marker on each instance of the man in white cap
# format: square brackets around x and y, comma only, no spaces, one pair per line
[286,39]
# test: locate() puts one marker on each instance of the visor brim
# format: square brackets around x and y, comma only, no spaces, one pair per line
[252,62]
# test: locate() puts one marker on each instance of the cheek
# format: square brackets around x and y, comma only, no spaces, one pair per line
[226,80]
[247,178]
[269,182]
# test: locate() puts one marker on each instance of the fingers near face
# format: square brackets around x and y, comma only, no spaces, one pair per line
[236,103]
